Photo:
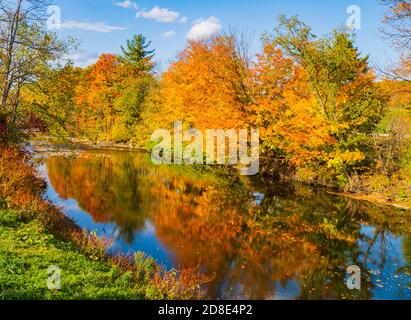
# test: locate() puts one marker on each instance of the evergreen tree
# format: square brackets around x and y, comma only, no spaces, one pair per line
[137,54]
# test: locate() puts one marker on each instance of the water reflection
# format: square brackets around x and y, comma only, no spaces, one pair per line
[260,239]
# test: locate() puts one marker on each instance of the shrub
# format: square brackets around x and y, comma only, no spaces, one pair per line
[20,186]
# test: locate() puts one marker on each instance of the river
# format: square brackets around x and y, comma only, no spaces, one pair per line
[257,238]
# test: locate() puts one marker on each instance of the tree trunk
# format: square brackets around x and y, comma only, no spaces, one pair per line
[3,130]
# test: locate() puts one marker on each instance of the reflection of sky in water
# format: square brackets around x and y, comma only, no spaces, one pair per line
[259,197]
[384,263]
[144,240]
[290,291]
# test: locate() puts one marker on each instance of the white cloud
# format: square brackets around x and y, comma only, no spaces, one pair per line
[204,28]
[169,34]
[90,26]
[83,58]
[162,15]
[127,4]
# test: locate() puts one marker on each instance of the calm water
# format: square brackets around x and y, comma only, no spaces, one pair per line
[260,239]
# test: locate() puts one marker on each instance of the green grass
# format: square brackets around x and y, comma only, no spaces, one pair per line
[26,252]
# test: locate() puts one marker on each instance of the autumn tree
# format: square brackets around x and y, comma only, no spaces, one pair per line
[397,31]
[293,131]
[53,99]
[26,52]
[343,86]
[137,83]
[130,106]
[111,97]
[398,21]
[204,87]
[96,96]
[392,144]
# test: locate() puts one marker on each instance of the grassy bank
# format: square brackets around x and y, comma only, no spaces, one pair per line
[26,252]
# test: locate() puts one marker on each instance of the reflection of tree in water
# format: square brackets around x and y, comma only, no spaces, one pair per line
[107,187]
[254,237]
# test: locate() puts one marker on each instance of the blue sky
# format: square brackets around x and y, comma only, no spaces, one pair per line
[104,25]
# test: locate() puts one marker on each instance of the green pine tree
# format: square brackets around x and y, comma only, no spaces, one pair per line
[137,54]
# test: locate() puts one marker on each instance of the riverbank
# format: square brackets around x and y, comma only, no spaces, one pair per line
[35,235]
[27,250]
[74,146]
[373,198]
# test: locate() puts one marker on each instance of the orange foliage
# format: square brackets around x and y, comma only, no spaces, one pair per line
[19,184]
[200,87]
[204,88]
[290,121]
[96,97]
